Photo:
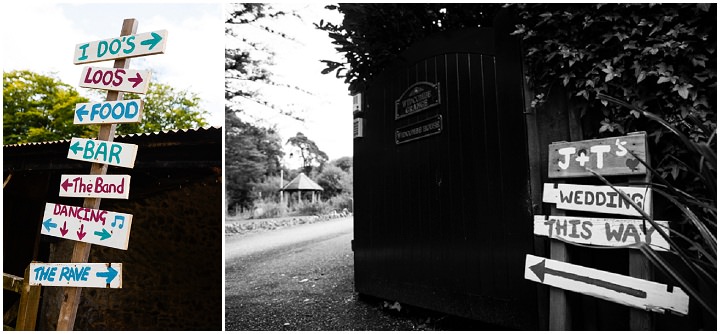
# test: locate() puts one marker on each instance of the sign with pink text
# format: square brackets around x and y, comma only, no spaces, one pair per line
[98,227]
[119,79]
[96,186]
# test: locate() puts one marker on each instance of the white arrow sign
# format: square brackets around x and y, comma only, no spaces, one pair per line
[123,111]
[144,44]
[602,231]
[86,275]
[119,79]
[97,186]
[605,285]
[596,198]
[104,152]
[98,227]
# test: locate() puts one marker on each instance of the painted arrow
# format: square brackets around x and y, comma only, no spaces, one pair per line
[540,271]
[136,80]
[76,147]
[621,289]
[64,230]
[104,234]
[109,275]
[81,112]
[156,38]
[48,224]
[65,185]
[80,233]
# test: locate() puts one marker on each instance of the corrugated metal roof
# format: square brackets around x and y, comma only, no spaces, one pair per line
[132,135]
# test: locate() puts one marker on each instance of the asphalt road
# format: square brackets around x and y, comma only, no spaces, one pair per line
[299,278]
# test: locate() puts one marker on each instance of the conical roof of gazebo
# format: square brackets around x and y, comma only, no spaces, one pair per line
[302,182]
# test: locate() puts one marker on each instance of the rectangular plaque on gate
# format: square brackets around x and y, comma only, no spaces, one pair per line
[427,127]
[418,97]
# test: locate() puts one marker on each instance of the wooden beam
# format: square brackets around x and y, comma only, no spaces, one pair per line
[29,304]
[81,250]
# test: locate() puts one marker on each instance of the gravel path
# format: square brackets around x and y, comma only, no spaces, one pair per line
[301,278]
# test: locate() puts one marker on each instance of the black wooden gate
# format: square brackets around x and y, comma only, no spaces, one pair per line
[442,200]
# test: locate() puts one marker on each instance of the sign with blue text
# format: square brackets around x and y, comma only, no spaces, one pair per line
[601,199]
[611,232]
[98,227]
[119,79]
[104,152]
[85,275]
[97,186]
[625,290]
[144,44]
[123,111]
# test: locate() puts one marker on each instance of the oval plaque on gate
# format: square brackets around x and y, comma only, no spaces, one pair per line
[418,97]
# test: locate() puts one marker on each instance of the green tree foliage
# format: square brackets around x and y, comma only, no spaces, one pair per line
[166,108]
[38,108]
[309,152]
[251,155]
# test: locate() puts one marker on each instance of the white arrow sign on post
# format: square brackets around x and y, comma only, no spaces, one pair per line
[98,227]
[144,44]
[123,111]
[117,79]
[86,275]
[104,152]
[98,186]
[605,285]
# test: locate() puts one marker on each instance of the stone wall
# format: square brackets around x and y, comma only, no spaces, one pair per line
[172,269]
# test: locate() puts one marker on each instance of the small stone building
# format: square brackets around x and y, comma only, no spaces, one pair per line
[172,269]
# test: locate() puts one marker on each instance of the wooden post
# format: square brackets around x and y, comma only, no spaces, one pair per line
[81,250]
[29,304]
[639,266]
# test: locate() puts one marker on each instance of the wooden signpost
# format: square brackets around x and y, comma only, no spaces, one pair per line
[100,186]
[601,199]
[125,111]
[610,232]
[144,44]
[118,79]
[86,275]
[616,288]
[98,227]
[103,152]
[609,157]
[88,224]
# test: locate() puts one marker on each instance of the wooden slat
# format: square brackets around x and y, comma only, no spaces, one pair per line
[12,283]
[29,304]
[606,156]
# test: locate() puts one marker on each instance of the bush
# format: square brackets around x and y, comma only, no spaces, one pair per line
[314,209]
[342,201]
[268,209]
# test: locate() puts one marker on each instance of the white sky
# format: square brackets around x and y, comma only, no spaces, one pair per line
[41,37]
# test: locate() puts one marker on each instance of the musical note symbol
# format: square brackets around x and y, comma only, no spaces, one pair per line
[120,219]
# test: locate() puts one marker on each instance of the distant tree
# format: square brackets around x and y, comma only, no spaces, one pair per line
[345,163]
[251,155]
[39,108]
[309,152]
[248,57]
[166,108]
[335,181]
